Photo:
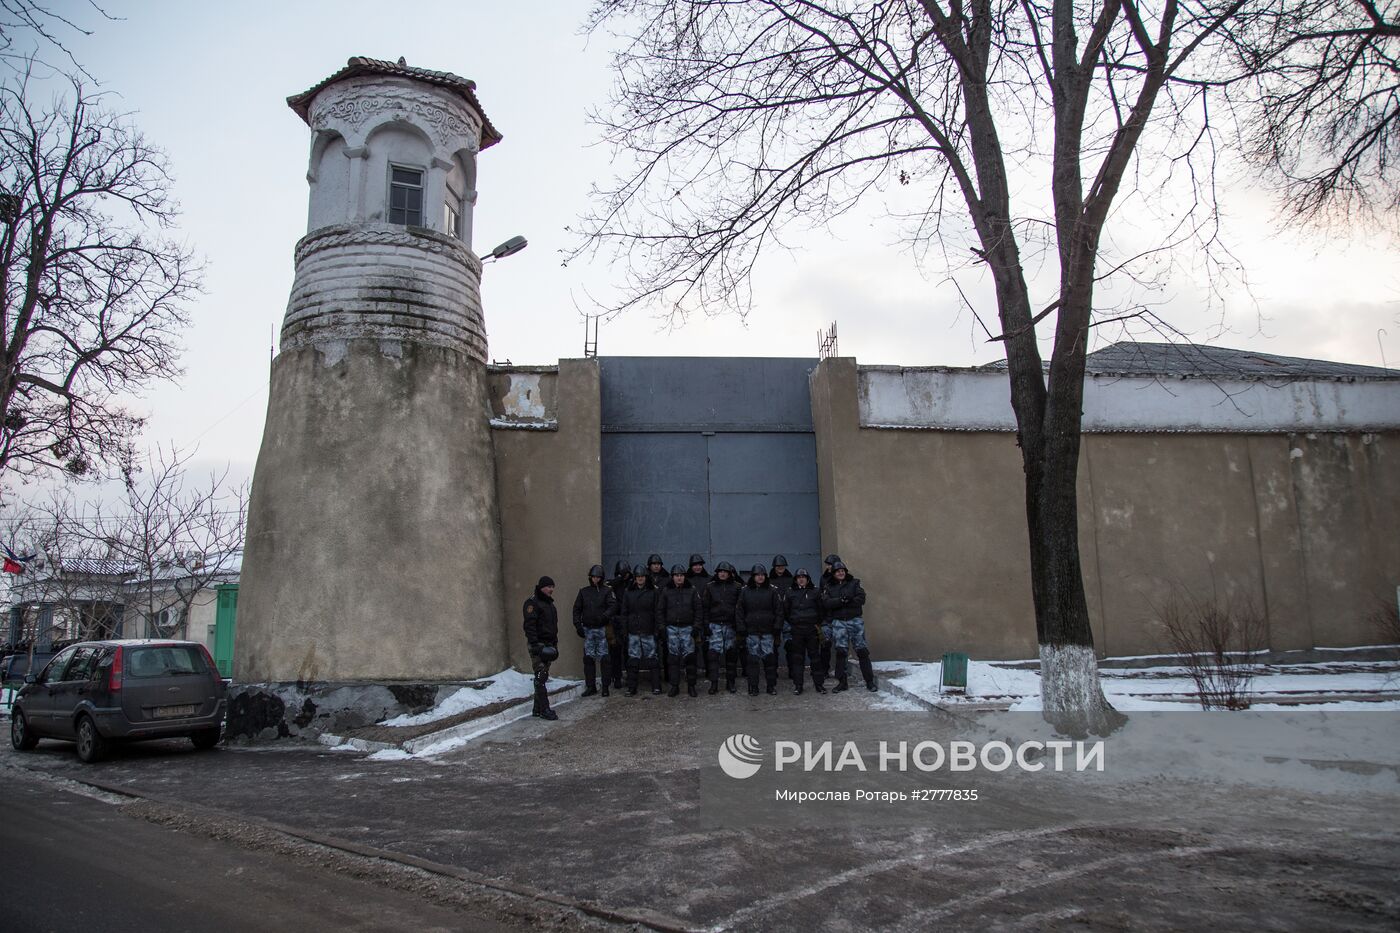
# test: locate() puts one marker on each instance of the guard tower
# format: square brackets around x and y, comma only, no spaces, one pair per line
[373,551]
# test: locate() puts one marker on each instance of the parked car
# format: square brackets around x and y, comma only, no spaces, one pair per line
[98,692]
[13,667]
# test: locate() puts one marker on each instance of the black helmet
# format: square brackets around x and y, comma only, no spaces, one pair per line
[839,566]
[549,653]
[596,570]
[832,559]
[697,559]
[759,571]
[622,569]
[640,570]
[677,569]
[725,566]
[802,572]
[779,561]
[655,559]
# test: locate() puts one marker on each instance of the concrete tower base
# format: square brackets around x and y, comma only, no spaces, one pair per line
[373,551]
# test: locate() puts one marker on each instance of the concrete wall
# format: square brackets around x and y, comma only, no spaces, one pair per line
[373,549]
[547,433]
[932,520]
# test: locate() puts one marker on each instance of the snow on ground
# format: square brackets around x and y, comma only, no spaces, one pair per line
[1147,688]
[509,684]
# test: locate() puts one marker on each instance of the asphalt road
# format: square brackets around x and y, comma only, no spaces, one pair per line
[76,863]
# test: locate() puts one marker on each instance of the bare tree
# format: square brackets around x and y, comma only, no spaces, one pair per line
[1320,82]
[1219,643]
[176,538]
[93,288]
[29,30]
[145,560]
[1018,124]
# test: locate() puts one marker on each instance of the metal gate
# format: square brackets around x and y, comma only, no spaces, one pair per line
[709,455]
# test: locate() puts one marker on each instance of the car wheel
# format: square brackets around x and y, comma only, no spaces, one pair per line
[20,737]
[91,745]
[205,738]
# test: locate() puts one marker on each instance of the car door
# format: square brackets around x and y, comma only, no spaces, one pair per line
[38,702]
[71,689]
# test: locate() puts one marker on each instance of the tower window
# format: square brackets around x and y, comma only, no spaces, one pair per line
[406,196]
[451,220]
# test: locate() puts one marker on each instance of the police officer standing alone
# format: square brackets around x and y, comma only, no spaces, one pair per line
[542,636]
[843,600]
[594,607]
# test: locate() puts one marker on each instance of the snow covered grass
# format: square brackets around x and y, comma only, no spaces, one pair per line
[509,684]
[1147,688]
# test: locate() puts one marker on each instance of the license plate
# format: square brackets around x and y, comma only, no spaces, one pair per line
[167,712]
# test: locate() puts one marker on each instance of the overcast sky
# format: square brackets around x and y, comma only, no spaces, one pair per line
[208,82]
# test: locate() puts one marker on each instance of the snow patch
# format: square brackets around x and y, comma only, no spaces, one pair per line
[509,684]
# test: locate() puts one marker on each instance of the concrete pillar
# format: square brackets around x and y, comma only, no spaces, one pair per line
[373,551]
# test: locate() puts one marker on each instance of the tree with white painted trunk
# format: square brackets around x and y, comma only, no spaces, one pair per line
[1019,125]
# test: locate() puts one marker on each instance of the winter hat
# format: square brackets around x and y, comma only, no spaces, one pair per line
[544,582]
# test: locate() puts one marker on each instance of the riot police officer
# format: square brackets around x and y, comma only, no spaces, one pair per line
[843,600]
[803,613]
[639,612]
[594,609]
[758,616]
[678,611]
[717,609]
[542,637]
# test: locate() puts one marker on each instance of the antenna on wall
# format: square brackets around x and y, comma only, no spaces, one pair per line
[826,342]
[590,335]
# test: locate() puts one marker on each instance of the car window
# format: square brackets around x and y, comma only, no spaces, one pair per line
[54,671]
[84,663]
[165,661]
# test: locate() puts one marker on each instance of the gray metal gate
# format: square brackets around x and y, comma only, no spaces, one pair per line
[709,455]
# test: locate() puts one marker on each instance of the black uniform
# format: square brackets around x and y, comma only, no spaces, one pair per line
[783,581]
[659,578]
[594,609]
[639,614]
[843,600]
[759,613]
[717,608]
[700,581]
[678,607]
[617,642]
[541,633]
[803,610]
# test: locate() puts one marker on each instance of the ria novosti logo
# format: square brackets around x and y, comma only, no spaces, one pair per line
[740,756]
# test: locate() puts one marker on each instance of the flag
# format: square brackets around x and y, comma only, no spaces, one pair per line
[13,562]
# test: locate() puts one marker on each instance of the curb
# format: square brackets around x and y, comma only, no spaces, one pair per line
[643,918]
[472,728]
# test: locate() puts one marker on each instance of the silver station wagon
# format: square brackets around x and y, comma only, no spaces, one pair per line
[98,692]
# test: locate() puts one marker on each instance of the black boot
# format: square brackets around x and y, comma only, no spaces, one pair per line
[867,670]
[631,680]
[604,665]
[841,666]
[675,678]
[590,677]
[751,675]
[656,681]
[770,670]
[714,687]
[690,687]
[542,709]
